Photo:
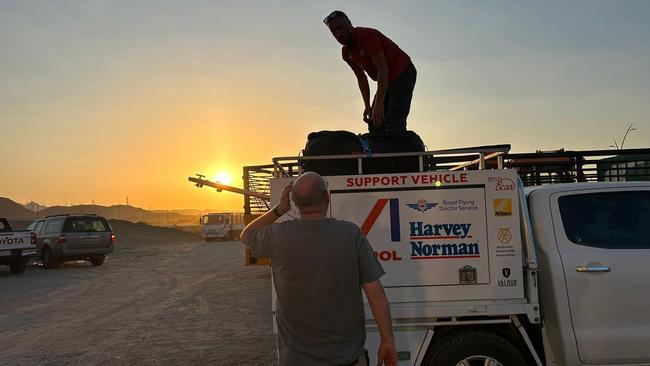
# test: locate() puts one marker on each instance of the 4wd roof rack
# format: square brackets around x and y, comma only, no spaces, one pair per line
[71,214]
[447,159]
[540,167]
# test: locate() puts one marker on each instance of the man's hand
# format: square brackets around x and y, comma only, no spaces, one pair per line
[381,312]
[269,217]
[378,114]
[387,355]
[367,114]
[285,203]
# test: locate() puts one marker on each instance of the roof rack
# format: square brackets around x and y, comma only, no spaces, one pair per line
[541,167]
[71,214]
[580,166]
[448,159]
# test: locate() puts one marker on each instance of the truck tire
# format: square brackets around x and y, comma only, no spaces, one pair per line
[474,348]
[97,260]
[49,261]
[18,266]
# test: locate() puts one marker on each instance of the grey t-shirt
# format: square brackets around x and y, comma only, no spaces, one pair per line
[318,269]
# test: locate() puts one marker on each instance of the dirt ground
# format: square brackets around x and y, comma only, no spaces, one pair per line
[163,297]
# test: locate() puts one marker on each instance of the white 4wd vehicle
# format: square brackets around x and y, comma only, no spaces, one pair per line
[16,247]
[482,271]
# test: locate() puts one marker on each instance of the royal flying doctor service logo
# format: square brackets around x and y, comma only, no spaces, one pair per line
[422,205]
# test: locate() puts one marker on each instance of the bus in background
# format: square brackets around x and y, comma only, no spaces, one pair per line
[224,226]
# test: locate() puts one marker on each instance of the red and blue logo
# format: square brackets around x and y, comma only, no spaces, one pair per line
[377,210]
[422,205]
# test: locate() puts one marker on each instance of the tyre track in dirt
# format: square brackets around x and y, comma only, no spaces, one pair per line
[167,303]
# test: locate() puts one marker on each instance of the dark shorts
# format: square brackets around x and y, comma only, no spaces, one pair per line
[397,103]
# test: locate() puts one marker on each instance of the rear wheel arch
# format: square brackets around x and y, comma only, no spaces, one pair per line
[499,337]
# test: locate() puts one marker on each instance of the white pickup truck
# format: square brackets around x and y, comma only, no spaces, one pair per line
[482,271]
[16,247]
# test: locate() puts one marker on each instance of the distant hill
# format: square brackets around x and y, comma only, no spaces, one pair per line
[13,210]
[34,206]
[140,233]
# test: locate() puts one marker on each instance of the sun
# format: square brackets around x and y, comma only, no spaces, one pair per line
[223,177]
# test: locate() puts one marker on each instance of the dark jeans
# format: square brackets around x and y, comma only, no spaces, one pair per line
[397,103]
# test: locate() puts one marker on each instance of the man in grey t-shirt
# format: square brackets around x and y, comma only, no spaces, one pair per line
[319,267]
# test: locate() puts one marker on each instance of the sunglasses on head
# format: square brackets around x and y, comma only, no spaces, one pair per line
[333,15]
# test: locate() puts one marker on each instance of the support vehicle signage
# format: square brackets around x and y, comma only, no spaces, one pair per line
[408,225]
[437,234]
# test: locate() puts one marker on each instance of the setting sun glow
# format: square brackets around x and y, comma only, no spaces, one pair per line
[223,177]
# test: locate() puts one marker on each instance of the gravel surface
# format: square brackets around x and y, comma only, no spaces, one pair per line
[177,301]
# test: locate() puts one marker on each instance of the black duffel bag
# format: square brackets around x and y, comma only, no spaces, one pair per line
[408,141]
[332,143]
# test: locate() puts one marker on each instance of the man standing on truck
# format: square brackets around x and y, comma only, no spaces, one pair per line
[368,51]
[319,266]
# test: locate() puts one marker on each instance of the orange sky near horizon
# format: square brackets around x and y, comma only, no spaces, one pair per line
[111,100]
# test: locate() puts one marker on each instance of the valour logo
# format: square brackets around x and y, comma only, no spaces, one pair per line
[422,205]
[376,210]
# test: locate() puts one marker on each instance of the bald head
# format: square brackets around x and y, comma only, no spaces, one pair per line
[310,190]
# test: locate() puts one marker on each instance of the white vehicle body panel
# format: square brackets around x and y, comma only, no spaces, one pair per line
[590,318]
[15,240]
[594,319]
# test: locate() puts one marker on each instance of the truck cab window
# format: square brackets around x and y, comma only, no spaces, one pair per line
[613,220]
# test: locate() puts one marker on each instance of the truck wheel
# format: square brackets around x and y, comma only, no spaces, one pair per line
[18,266]
[474,348]
[49,261]
[97,260]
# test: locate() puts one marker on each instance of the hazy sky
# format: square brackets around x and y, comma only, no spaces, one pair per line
[100,100]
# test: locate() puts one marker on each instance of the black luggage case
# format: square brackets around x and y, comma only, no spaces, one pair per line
[332,143]
[408,141]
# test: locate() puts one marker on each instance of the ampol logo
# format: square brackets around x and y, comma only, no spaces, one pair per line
[376,210]
[422,205]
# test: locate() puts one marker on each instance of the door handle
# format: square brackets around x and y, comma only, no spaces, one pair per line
[593,269]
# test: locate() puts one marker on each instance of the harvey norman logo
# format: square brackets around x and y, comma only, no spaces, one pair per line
[420,249]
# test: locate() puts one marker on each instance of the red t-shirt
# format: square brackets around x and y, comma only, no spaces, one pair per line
[368,43]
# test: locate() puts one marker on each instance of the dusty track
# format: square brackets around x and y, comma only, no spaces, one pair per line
[180,302]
